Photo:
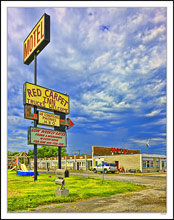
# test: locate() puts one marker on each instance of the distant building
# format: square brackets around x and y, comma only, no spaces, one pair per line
[123,158]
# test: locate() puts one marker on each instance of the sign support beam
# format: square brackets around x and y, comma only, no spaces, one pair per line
[61,128]
[59,158]
[35,122]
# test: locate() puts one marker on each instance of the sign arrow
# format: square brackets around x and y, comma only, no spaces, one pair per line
[70,123]
[67,122]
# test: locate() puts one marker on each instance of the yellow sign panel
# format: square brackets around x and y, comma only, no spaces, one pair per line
[46,118]
[45,98]
[38,38]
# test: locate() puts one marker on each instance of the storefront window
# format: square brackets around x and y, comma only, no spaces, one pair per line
[151,163]
[157,163]
[163,164]
[147,163]
[144,164]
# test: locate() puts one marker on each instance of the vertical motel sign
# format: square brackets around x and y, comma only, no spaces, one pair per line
[37,39]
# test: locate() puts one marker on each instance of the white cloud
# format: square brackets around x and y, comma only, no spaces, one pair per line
[96,126]
[134,21]
[19,146]
[153,113]
[17,122]
[121,105]
[59,13]
[16,138]
[160,16]
[152,141]
[15,24]
[101,60]
[158,57]
[19,132]
[144,141]
[158,139]
[161,122]
[105,133]
[153,33]
[163,134]
[161,100]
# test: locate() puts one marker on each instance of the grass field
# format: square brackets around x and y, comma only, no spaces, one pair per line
[25,194]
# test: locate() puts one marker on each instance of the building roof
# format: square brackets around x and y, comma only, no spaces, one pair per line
[144,155]
[101,151]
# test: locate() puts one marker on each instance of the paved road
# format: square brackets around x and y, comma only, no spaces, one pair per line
[152,181]
[150,200]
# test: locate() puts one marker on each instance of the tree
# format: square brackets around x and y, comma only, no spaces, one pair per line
[47,151]
[13,153]
[10,153]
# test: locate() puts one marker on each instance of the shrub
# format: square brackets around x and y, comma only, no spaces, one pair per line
[138,170]
[90,168]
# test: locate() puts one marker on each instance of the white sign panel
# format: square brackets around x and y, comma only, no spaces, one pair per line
[46,137]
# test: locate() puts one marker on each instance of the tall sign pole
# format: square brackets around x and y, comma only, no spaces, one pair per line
[35,121]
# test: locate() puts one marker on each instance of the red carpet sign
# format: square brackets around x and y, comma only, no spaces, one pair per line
[44,98]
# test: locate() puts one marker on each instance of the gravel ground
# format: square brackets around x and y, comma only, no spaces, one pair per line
[150,200]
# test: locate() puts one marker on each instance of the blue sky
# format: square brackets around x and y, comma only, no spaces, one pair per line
[112,64]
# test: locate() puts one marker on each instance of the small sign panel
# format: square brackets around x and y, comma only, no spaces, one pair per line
[46,137]
[28,114]
[38,38]
[44,98]
[45,118]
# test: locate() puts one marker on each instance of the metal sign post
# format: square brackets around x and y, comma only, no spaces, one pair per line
[59,158]
[35,121]
[61,128]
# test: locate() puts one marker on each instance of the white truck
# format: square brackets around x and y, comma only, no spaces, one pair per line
[107,167]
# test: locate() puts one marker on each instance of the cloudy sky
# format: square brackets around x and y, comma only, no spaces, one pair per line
[112,64]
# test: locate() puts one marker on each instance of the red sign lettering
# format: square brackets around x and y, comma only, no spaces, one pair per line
[119,150]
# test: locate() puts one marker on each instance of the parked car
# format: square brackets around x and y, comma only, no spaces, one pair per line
[107,167]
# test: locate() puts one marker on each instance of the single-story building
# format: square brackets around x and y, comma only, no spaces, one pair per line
[124,159]
[129,159]
[80,162]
